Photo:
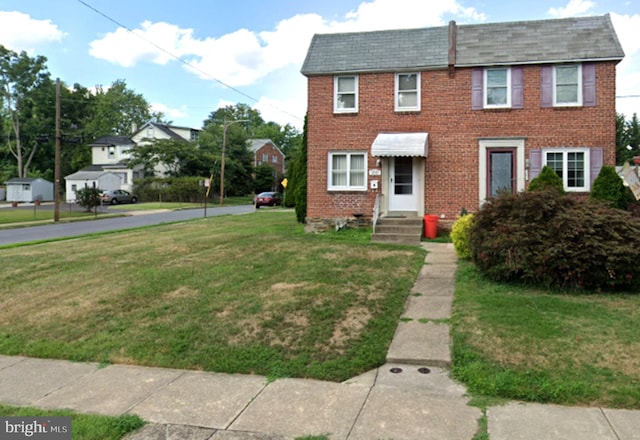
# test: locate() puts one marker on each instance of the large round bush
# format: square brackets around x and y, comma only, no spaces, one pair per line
[544,237]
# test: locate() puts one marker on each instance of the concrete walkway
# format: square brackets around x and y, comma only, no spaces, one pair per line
[410,397]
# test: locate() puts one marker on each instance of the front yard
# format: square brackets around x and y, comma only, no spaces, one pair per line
[241,294]
[255,294]
[525,343]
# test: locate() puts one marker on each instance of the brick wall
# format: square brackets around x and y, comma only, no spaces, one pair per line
[451,168]
[270,150]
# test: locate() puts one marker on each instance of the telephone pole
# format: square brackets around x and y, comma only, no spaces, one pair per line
[225,125]
[56,184]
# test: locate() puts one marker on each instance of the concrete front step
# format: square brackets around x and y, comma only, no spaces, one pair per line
[401,230]
[413,239]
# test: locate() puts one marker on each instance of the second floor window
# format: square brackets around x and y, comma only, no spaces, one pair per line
[345,94]
[567,85]
[111,152]
[497,87]
[407,91]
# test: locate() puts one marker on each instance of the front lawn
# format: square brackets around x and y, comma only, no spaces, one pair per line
[239,294]
[37,214]
[538,345]
[83,426]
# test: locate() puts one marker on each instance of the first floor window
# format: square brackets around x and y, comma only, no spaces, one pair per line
[571,165]
[347,171]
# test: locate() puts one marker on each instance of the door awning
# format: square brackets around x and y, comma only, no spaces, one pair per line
[400,144]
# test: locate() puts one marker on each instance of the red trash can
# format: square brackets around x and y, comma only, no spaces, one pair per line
[430,226]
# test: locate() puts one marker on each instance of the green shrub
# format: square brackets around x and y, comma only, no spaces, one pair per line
[545,180]
[609,188]
[88,197]
[460,235]
[545,238]
[170,189]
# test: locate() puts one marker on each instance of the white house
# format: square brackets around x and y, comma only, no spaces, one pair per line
[103,180]
[29,190]
[110,153]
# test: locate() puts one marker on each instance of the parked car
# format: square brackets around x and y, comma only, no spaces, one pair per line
[115,196]
[268,198]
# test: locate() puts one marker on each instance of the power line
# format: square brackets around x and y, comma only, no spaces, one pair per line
[176,57]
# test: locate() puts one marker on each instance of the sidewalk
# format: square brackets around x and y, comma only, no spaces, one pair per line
[410,397]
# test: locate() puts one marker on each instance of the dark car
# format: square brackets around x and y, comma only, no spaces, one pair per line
[115,196]
[267,199]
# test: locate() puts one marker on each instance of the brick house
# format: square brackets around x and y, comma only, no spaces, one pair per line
[266,152]
[433,120]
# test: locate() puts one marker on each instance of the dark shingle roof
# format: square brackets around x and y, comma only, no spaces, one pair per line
[522,42]
[377,51]
[112,140]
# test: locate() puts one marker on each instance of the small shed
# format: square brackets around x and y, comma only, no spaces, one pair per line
[26,189]
[102,180]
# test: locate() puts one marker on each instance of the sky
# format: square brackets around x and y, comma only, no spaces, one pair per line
[191,57]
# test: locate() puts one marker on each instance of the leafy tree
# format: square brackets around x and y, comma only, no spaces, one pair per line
[173,154]
[20,77]
[238,158]
[546,179]
[297,187]
[117,110]
[265,179]
[627,138]
[88,197]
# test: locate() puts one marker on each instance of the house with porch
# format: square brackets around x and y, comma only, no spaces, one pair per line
[405,123]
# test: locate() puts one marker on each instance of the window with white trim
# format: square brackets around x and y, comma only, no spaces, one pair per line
[347,171]
[567,85]
[497,87]
[571,164]
[345,94]
[407,91]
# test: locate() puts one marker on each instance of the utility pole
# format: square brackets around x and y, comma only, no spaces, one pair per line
[56,184]
[225,125]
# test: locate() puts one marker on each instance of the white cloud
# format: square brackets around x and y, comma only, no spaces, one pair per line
[18,31]
[574,8]
[242,57]
[628,71]
[169,113]
[391,14]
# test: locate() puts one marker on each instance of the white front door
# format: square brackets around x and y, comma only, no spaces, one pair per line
[403,184]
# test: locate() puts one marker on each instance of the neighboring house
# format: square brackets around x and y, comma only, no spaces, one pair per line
[266,152]
[102,180]
[110,153]
[29,190]
[433,120]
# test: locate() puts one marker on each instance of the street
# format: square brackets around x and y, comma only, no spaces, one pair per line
[72,229]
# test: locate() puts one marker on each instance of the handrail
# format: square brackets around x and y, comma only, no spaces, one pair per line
[376,211]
